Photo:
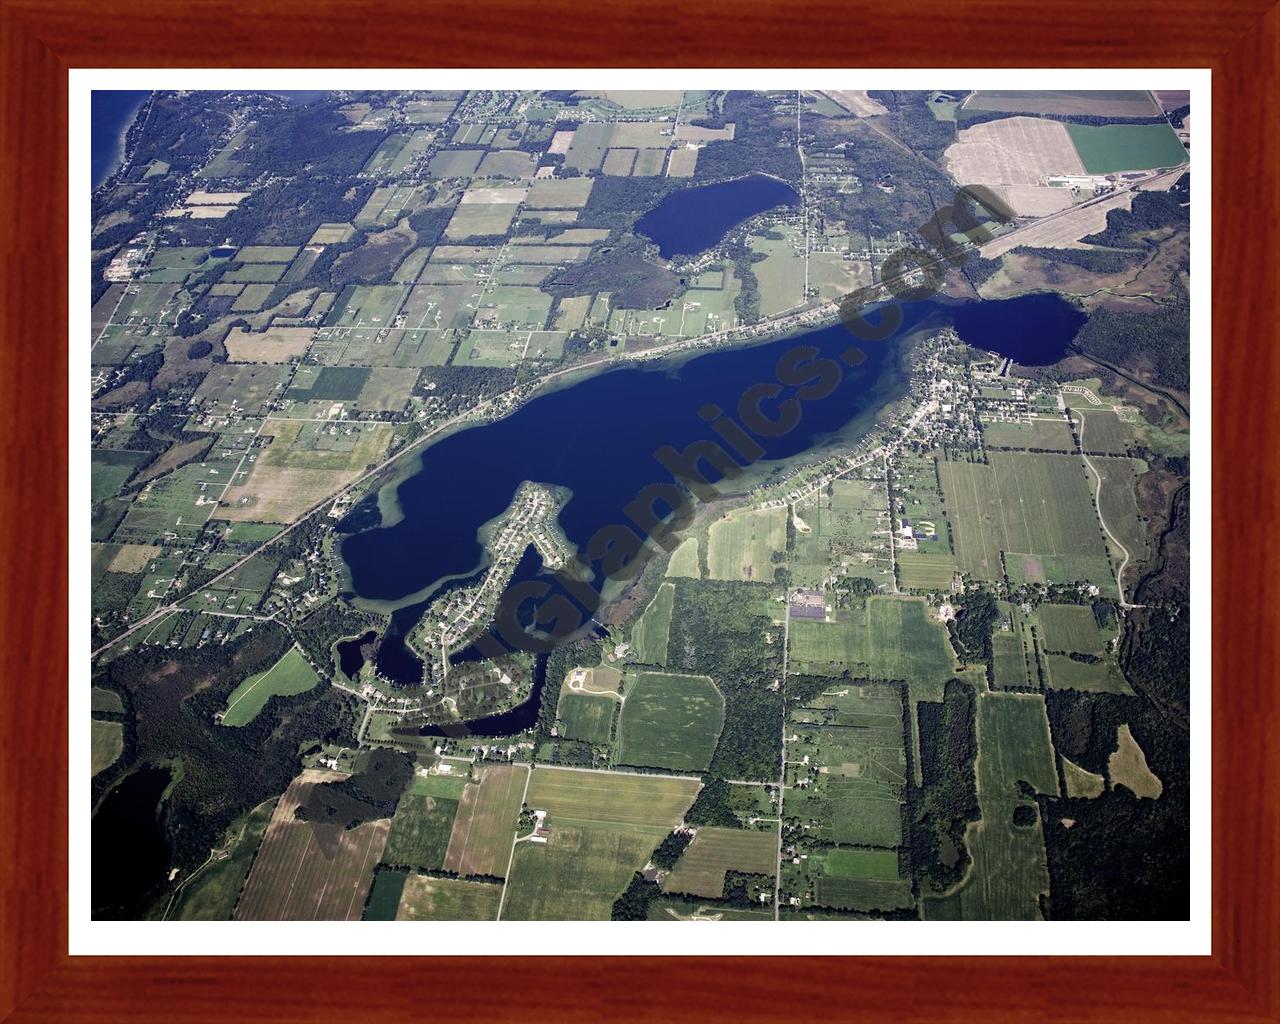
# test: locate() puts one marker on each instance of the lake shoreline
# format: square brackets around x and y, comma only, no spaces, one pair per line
[124,148]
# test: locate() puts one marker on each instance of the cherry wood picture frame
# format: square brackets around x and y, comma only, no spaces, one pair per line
[41,39]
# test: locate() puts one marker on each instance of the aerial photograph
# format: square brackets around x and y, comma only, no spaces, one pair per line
[595,505]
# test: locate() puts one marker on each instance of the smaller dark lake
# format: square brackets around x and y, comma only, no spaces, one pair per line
[130,852]
[694,219]
[223,251]
[350,660]
[1033,330]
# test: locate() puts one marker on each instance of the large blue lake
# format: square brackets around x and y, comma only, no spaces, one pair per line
[693,219]
[598,439]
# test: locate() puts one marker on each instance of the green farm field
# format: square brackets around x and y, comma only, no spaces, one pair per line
[1009,869]
[110,701]
[873,864]
[862,880]
[110,468]
[888,638]
[670,721]
[856,771]
[384,897]
[584,716]
[1032,504]
[1070,628]
[1049,433]
[1118,504]
[420,831]
[684,561]
[578,873]
[448,899]
[603,827]
[701,868]
[291,675]
[1010,667]
[1098,102]
[485,825]
[1064,673]
[918,570]
[1102,430]
[1126,147]
[617,797]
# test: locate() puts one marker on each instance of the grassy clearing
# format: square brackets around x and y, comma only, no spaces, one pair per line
[670,721]
[448,899]
[1127,766]
[420,831]
[107,744]
[1081,782]
[291,675]
[650,634]
[741,545]
[684,561]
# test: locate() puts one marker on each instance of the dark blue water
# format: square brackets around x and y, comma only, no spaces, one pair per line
[598,438]
[350,660]
[111,113]
[130,852]
[694,219]
[1029,329]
